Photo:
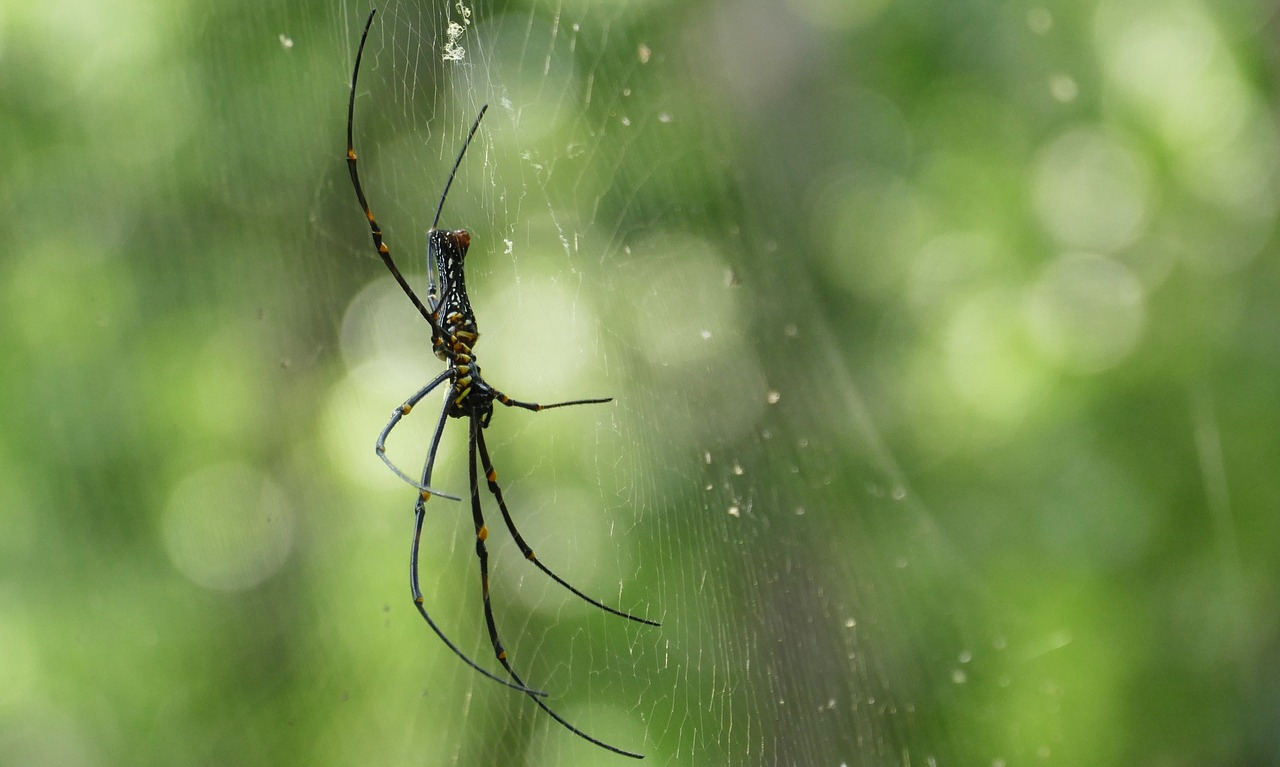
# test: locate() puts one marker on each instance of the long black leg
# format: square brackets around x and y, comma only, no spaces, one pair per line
[384,252]
[492,477]
[535,407]
[482,553]
[456,164]
[430,464]
[396,415]
[419,513]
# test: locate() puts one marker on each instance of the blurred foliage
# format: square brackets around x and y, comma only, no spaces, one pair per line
[942,337]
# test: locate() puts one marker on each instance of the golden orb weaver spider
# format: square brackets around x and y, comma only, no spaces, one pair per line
[453,335]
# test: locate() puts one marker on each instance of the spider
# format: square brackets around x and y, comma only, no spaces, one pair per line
[453,336]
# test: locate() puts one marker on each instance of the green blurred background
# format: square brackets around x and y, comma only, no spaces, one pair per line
[942,337]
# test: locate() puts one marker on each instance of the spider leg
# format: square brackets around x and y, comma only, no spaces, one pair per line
[482,553]
[535,407]
[419,513]
[492,476]
[384,252]
[396,415]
